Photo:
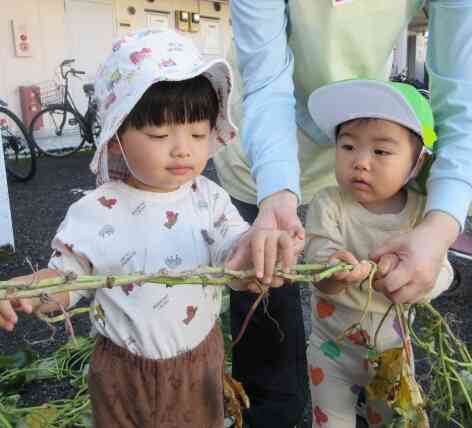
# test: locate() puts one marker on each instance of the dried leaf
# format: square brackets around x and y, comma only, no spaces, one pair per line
[41,417]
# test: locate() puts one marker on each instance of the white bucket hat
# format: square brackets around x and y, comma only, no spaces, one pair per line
[139,60]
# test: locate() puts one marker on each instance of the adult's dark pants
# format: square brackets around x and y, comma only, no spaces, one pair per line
[271,368]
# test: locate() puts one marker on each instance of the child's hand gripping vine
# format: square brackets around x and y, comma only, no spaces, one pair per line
[341,280]
[9,308]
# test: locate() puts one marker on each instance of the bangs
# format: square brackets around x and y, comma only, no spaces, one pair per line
[174,103]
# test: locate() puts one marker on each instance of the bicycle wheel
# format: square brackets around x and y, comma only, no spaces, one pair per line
[18,151]
[57,131]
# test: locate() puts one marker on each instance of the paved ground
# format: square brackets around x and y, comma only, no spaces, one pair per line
[38,207]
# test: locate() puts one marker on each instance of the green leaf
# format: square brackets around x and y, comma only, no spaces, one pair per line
[44,369]
[13,385]
[18,360]
[9,401]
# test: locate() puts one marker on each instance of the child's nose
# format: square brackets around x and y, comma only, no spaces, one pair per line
[362,161]
[181,148]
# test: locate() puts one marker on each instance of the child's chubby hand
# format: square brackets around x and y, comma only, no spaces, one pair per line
[269,246]
[359,273]
[9,308]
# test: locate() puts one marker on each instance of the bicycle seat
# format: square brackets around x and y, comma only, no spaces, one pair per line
[89,89]
[3,103]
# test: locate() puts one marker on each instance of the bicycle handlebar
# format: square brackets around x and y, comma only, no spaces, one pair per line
[73,71]
[67,62]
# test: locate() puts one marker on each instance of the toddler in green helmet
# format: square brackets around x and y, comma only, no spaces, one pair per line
[383,133]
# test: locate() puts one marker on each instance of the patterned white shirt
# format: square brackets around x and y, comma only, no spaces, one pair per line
[118,229]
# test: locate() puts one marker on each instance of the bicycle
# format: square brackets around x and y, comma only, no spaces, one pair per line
[18,150]
[65,119]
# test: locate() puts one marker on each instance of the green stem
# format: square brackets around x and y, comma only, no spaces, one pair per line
[462,348]
[216,276]
[340,267]
[446,377]
[5,422]
[382,322]
[463,388]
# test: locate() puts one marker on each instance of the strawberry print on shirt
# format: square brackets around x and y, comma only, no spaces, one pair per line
[191,311]
[171,219]
[108,203]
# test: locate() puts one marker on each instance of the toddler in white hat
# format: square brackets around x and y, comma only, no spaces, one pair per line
[159,355]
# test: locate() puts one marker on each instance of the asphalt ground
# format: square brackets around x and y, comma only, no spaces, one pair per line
[38,207]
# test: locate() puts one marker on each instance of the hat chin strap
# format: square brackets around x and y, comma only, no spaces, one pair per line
[419,163]
[132,172]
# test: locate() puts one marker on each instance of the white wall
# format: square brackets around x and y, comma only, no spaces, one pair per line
[45,20]
[50,36]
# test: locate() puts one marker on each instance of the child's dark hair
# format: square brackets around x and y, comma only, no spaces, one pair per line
[174,102]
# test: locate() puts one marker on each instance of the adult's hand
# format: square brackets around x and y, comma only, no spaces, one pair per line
[277,211]
[420,253]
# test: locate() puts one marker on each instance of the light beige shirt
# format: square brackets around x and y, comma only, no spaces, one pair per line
[335,221]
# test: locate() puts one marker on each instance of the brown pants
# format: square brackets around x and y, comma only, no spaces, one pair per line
[128,391]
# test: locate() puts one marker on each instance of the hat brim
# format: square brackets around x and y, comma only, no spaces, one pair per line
[340,102]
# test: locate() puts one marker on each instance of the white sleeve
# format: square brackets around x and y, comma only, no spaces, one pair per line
[66,259]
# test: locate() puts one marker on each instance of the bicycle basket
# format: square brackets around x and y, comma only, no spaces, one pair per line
[49,92]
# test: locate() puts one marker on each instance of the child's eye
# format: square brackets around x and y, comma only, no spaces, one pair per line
[381,152]
[348,147]
[159,137]
[198,136]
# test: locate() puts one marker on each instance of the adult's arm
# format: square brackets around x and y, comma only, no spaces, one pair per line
[449,63]
[269,129]
[266,65]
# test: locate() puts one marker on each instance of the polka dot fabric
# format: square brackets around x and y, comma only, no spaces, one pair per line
[339,369]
